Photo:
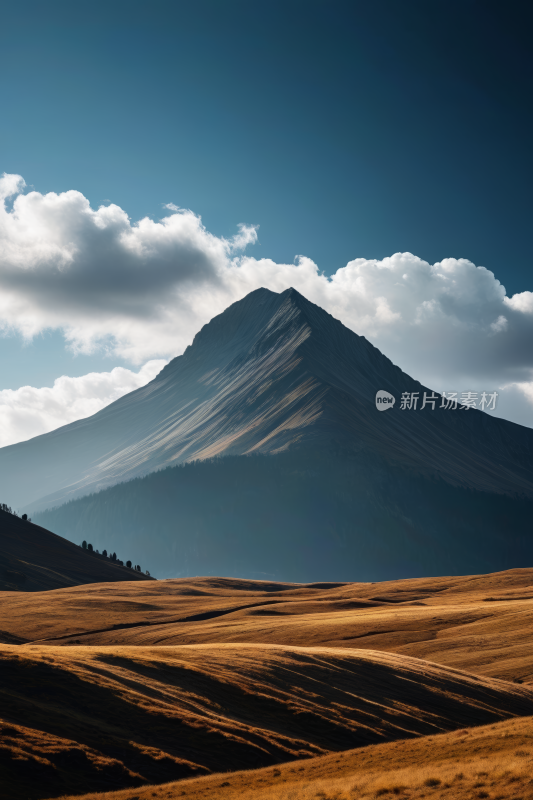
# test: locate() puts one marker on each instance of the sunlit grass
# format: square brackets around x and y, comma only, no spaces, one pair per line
[493,762]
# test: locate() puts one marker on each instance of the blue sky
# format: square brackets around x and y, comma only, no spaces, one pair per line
[342,129]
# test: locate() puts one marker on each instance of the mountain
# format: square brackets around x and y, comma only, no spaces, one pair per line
[33,559]
[274,372]
[260,452]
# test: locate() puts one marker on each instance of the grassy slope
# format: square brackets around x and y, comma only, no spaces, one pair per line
[33,559]
[98,718]
[276,679]
[494,761]
[482,624]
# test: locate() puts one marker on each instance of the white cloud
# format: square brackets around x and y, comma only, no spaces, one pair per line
[521,302]
[28,411]
[99,277]
[144,289]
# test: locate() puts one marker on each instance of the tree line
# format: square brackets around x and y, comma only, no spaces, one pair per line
[9,510]
[112,556]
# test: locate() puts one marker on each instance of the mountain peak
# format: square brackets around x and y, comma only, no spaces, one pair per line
[245,321]
[293,293]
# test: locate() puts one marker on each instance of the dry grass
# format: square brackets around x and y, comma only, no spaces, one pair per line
[481,624]
[166,680]
[493,761]
[97,717]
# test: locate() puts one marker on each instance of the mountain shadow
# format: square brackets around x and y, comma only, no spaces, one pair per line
[303,515]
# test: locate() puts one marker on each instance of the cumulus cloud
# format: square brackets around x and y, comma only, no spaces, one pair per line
[28,411]
[99,277]
[142,289]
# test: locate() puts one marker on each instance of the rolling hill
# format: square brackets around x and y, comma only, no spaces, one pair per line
[482,762]
[33,559]
[115,717]
[482,624]
[170,689]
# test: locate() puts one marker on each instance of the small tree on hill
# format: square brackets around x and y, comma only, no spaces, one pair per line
[90,547]
[84,544]
[24,516]
[104,553]
[128,564]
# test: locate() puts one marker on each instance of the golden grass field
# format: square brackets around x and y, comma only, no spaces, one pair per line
[494,761]
[215,687]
